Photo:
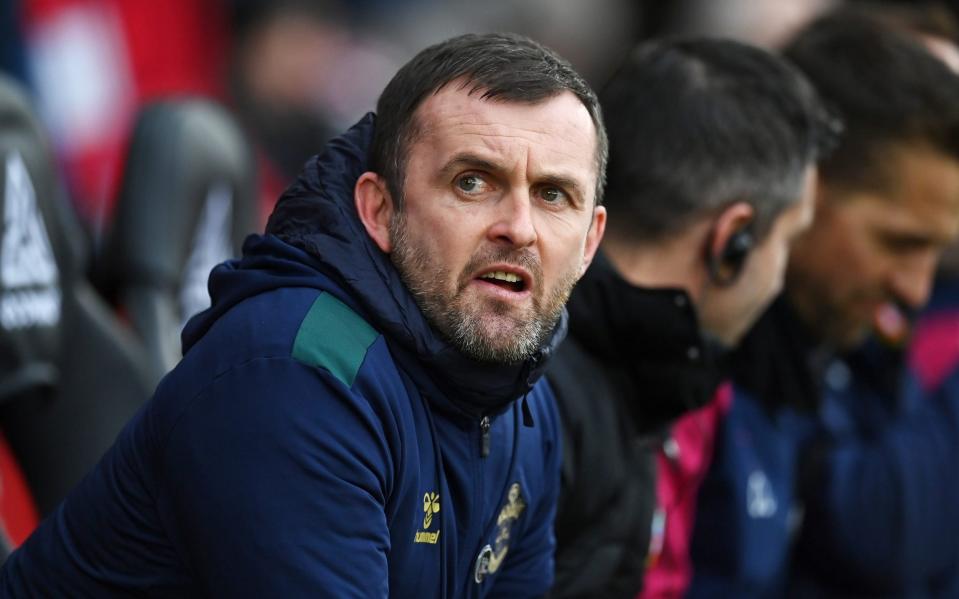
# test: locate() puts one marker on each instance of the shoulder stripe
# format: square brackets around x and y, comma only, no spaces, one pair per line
[334,337]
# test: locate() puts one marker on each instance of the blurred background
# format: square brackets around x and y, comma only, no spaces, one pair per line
[143,140]
[295,72]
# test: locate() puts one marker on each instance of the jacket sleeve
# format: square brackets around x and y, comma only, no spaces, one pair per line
[887,508]
[274,484]
[529,569]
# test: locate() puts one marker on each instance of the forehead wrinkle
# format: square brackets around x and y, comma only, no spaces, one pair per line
[459,116]
[464,116]
[492,132]
[501,142]
[536,130]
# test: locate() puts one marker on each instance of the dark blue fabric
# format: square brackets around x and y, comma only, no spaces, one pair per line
[252,474]
[745,506]
[882,501]
[872,480]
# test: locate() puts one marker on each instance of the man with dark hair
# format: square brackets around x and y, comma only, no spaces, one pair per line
[358,413]
[812,456]
[713,149]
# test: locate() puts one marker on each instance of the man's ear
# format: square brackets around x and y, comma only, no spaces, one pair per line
[375,208]
[594,236]
[730,242]
[735,218]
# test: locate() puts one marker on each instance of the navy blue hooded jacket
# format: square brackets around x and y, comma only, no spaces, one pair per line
[871,458]
[745,517]
[318,439]
[881,489]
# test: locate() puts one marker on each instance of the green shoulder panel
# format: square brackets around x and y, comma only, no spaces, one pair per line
[334,337]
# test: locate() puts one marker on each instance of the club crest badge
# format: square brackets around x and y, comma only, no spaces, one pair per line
[491,557]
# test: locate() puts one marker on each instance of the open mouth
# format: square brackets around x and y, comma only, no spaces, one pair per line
[506,280]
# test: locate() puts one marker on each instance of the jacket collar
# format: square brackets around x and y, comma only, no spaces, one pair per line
[779,361]
[651,335]
[317,214]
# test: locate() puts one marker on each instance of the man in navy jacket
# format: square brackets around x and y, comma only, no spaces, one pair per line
[358,413]
[830,476]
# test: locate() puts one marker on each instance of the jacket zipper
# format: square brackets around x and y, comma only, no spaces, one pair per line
[484,424]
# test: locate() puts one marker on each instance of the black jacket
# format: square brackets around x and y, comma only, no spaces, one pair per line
[634,360]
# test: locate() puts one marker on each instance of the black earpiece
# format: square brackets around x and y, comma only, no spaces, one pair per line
[725,267]
[737,249]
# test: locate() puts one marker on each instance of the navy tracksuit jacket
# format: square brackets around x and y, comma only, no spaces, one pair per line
[318,439]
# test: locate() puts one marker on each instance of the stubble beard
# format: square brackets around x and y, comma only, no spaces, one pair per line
[486,330]
[831,319]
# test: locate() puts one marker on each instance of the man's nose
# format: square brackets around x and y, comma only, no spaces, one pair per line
[911,282]
[514,220]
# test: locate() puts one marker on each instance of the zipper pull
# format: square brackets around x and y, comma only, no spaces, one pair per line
[484,436]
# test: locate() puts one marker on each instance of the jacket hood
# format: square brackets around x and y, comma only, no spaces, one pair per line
[314,238]
[650,335]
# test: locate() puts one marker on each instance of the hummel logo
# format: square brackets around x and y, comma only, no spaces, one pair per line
[431,505]
[28,272]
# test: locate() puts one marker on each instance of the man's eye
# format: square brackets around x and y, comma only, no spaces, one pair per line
[471,184]
[554,195]
[904,244]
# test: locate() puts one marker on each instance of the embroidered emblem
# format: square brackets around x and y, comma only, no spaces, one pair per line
[760,499]
[490,559]
[482,564]
[431,505]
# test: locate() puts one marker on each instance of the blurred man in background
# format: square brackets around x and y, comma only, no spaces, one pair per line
[802,428]
[889,431]
[712,176]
